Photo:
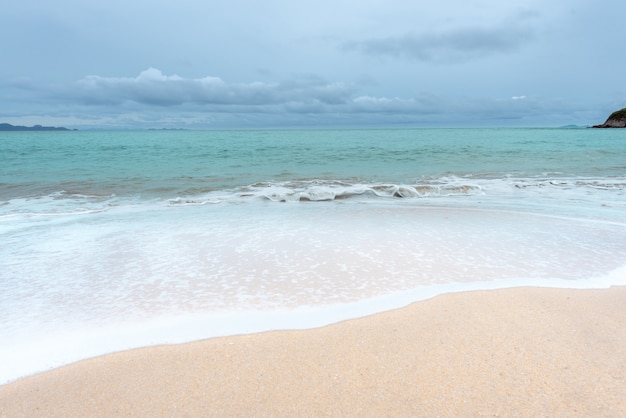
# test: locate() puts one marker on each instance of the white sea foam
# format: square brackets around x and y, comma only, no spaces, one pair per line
[119,279]
[544,193]
[559,188]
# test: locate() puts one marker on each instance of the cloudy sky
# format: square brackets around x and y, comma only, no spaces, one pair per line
[330,63]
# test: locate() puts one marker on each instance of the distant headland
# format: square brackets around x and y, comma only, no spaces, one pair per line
[616,120]
[9,127]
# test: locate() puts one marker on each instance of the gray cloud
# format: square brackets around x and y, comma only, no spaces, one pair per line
[301,95]
[399,68]
[452,46]
[152,87]
[153,98]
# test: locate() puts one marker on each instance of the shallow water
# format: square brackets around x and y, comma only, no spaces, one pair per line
[113,240]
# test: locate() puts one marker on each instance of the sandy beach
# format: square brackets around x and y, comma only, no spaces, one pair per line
[512,352]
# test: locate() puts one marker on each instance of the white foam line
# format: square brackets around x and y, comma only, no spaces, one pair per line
[41,354]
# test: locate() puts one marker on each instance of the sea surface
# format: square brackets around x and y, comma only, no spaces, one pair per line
[122,239]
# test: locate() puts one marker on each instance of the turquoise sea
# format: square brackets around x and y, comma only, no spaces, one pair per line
[120,239]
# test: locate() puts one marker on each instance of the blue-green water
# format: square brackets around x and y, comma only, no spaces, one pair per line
[113,240]
[164,164]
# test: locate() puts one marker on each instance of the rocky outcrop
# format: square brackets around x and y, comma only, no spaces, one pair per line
[616,120]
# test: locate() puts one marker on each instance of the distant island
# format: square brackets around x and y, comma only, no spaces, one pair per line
[616,120]
[167,129]
[9,127]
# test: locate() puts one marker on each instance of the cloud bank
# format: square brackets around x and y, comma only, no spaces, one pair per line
[152,87]
[153,98]
[310,94]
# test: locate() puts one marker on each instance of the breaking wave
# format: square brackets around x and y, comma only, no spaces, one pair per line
[330,190]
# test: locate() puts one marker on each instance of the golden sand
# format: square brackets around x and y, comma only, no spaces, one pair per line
[512,352]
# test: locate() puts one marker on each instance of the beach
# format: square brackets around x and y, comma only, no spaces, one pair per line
[372,272]
[508,352]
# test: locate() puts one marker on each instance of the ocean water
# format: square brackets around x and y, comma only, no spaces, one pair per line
[116,240]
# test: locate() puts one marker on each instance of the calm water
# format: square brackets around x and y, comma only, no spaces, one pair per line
[166,164]
[113,240]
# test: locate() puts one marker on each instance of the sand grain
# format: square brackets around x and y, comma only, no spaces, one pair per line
[512,352]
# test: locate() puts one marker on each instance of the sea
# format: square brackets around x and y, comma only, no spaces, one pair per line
[114,240]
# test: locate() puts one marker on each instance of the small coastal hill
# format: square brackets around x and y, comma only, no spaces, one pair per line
[9,127]
[616,120]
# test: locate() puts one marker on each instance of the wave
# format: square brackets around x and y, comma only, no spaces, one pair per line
[503,191]
[58,203]
[317,190]
[331,190]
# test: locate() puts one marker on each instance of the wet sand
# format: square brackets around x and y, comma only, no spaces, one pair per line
[512,352]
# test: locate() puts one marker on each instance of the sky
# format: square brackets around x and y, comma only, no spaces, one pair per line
[202,64]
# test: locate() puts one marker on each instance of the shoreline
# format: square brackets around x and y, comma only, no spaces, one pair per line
[78,344]
[515,351]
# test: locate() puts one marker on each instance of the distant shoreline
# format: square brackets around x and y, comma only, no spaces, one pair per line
[9,127]
[5,127]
